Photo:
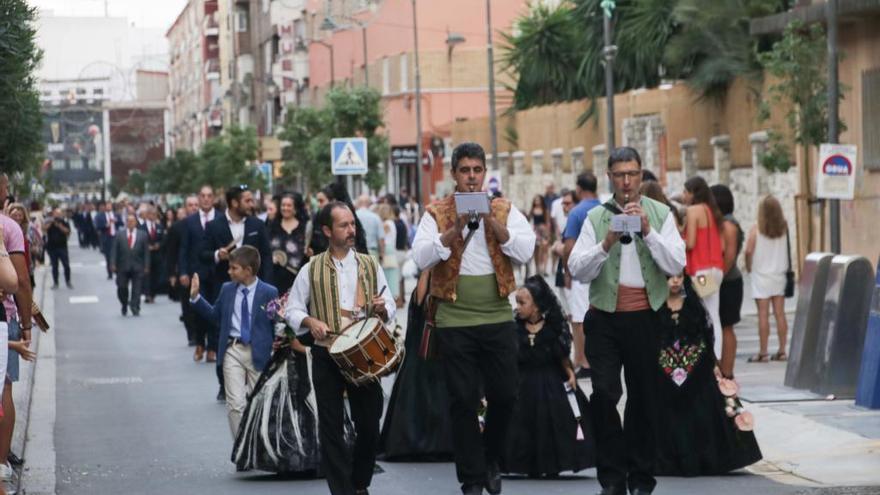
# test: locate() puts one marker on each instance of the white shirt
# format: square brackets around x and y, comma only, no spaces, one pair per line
[557,213]
[235,331]
[206,216]
[237,230]
[346,278]
[427,250]
[666,247]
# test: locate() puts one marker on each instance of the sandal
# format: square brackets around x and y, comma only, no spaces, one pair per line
[759,358]
[779,356]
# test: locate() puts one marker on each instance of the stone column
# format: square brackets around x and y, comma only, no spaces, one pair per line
[600,167]
[519,183]
[556,156]
[504,166]
[536,185]
[654,131]
[577,160]
[721,158]
[689,164]
[760,176]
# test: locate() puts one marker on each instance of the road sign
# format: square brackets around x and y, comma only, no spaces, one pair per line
[837,171]
[348,156]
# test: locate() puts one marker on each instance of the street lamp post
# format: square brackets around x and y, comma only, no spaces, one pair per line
[493,127]
[418,77]
[609,51]
[833,131]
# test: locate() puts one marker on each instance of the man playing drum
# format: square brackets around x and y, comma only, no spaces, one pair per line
[472,278]
[334,289]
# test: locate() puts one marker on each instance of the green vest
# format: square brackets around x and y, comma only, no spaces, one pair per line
[324,293]
[603,289]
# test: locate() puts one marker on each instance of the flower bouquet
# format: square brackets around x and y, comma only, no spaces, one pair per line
[275,311]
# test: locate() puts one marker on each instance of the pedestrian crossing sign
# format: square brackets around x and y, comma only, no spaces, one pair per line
[348,156]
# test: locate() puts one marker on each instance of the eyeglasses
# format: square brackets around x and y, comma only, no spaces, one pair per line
[632,174]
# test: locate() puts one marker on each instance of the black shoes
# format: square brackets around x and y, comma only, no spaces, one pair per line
[472,489]
[69,285]
[362,492]
[54,286]
[135,312]
[612,490]
[493,479]
[124,310]
[16,461]
[221,395]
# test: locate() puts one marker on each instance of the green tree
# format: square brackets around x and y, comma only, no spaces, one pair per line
[347,112]
[21,145]
[228,159]
[136,183]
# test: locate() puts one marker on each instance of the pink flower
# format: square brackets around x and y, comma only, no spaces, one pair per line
[728,388]
[679,375]
[744,421]
[676,345]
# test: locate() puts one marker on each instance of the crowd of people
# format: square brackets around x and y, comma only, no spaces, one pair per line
[490,376]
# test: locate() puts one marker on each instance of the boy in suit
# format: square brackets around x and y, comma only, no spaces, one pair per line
[246,331]
[130,260]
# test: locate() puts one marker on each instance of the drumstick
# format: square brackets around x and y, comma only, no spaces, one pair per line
[361,329]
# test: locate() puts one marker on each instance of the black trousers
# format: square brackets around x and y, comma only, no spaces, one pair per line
[136,279]
[479,360]
[627,340]
[346,470]
[188,315]
[57,254]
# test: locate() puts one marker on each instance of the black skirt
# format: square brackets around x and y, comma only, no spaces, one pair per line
[417,426]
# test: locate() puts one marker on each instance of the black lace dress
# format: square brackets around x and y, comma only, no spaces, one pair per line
[545,437]
[417,426]
[695,435]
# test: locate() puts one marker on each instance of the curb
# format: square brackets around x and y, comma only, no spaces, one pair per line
[35,424]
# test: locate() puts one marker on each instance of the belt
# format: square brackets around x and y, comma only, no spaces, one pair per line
[235,340]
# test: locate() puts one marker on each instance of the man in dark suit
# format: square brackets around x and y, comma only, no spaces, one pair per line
[130,260]
[155,233]
[107,224]
[234,229]
[188,264]
[173,243]
[246,331]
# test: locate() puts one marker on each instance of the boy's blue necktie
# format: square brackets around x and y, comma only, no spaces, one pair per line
[245,317]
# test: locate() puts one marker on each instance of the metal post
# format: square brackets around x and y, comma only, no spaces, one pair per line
[493,127]
[418,107]
[366,72]
[609,51]
[833,131]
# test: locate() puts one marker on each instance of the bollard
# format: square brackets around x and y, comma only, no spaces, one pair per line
[801,367]
[868,388]
[842,329]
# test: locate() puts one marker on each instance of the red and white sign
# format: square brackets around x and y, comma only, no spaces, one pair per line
[836,178]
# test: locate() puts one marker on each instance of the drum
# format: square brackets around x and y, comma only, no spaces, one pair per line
[365,351]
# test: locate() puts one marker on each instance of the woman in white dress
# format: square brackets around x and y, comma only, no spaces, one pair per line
[389,259]
[767,261]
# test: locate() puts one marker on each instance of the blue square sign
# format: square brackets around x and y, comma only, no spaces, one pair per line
[348,156]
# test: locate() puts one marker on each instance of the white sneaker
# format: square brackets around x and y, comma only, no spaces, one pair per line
[6,472]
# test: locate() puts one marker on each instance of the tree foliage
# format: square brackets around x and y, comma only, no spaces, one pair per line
[347,112]
[222,162]
[21,146]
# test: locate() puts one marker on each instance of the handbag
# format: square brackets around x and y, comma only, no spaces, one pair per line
[704,286]
[789,274]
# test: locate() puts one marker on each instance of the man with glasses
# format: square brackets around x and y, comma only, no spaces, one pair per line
[472,277]
[627,277]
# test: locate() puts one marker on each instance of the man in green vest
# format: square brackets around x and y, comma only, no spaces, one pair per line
[333,289]
[627,274]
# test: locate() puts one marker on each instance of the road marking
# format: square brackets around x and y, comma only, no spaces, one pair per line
[83,299]
[114,380]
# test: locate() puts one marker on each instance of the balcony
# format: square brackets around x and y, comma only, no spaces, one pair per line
[212,70]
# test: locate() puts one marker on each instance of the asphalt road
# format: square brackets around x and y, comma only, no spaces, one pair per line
[136,415]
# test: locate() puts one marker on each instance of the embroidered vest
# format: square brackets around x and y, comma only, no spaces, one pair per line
[324,290]
[604,288]
[444,275]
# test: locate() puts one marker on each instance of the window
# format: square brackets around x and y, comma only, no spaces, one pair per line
[241,21]
[404,74]
[386,77]
[76,164]
[871,118]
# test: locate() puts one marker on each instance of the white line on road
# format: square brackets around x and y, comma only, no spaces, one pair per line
[114,380]
[83,299]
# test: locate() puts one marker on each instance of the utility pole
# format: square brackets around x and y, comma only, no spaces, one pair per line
[833,130]
[493,127]
[366,71]
[418,106]
[609,51]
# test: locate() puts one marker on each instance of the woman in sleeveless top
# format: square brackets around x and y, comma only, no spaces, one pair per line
[731,293]
[767,261]
[705,262]
[540,220]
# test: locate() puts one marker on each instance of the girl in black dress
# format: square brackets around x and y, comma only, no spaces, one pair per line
[550,429]
[702,427]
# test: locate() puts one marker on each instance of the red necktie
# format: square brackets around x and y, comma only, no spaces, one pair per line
[130,240]
[152,232]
